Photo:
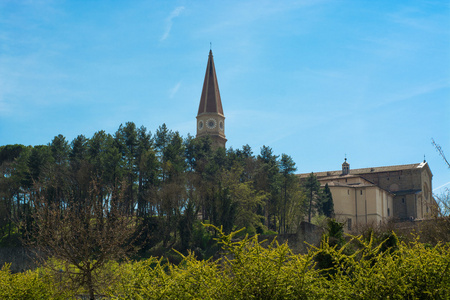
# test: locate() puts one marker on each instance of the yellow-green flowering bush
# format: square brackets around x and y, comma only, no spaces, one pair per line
[26,285]
[411,272]
[362,269]
[248,270]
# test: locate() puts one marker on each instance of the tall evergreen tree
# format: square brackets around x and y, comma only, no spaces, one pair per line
[127,143]
[311,187]
[58,174]
[14,186]
[78,149]
[268,180]
[60,149]
[287,169]
[327,202]
[146,168]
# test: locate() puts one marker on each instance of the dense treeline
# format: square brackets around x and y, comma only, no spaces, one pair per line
[169,183]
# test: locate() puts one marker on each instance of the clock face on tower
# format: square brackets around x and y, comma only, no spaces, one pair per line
[221,125]
[211,123]
[200,125]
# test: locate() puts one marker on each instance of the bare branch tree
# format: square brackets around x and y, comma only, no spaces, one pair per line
[441,152]
[84,236]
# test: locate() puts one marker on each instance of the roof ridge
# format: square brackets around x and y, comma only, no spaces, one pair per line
[355,171]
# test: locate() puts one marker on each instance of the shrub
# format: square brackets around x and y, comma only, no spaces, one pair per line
[247,270]
[27,285]
[363,268]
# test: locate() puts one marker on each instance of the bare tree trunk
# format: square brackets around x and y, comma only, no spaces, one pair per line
[90,283]
[310,206]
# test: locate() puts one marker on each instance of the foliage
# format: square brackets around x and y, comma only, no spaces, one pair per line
[327,202]
[334,237]
[28,285]
[289,207]
[247,270]
[167,182]
[363,268]
[311,187]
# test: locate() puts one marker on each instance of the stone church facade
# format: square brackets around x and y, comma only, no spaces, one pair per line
[370,196]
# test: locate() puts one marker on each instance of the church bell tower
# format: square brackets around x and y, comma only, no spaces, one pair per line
[210,117]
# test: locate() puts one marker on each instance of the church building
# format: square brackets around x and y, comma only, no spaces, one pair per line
[210,117]
[370,196]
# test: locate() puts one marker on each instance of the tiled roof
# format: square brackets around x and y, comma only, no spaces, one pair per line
[210,101]
[367,170]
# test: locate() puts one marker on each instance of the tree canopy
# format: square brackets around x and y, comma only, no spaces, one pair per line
[168,182]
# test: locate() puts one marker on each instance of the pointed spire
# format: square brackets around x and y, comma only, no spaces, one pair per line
[210,101]
[210,117]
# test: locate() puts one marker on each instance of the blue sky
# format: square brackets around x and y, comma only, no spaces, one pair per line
[316,80]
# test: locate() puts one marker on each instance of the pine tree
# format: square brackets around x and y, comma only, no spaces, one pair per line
[327,202]
[311,187]
[287,169]
[268,180]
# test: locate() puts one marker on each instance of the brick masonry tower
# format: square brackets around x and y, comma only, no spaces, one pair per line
[210,117]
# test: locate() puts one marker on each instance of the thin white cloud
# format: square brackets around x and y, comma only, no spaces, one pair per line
[174,90]
[169,21]
[439,187]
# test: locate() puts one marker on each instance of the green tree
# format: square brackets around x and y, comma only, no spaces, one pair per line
[39,161]
[57,174]
[311,187]
[126,139]
[245,201]
[105,158]
[247,160]
[14,184]
[171,192]
[78,151]
[198,152]
[326,202]
[287,169]
[267,179]
[146,168]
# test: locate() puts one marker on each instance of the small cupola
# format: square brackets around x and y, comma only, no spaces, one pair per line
[345,167]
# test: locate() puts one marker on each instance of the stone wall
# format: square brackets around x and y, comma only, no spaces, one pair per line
[308,234]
